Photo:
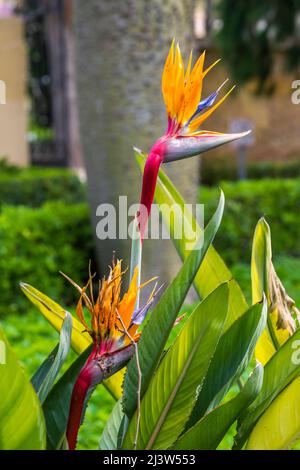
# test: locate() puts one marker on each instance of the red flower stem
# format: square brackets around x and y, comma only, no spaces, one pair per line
[80,390]
[96,369]
[150,174]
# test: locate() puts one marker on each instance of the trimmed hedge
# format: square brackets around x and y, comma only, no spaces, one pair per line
[246,201]
[35,244]
[34,186]
[214,171]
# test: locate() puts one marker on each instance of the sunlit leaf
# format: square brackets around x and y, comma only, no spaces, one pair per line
[156,331]
[207,433]
[279,371]
[57,404]
[213,271]
[109,437]
[170,396]
[279,426]
[45,376]
[22,425]
[55,314]
[264,279]
[233,354]
[80,339]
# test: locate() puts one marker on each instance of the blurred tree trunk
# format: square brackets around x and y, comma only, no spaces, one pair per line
[120,49]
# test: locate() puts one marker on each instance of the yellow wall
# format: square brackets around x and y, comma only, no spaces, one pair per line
[13,114]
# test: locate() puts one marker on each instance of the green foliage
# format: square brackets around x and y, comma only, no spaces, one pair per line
[209,431]
[279,371]
[172,390]
[244,334]
[109,437]
[35,244]
[287,268]
[213,271]
[249,34]
[189,396]
[32,339]
[56,406]
[34,186]
[46,374]
[247,201]
[21,418]
[213,171]
[157,330]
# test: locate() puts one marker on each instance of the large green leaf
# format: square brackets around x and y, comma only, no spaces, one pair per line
[80,339]
[22,425]
[55,314]
[233,354]
[170,396]
[279,426]
[279,371]
[157,330]
[109,437]
[207,433]
[262,271]
[57,404]
[45,376]
[213,271]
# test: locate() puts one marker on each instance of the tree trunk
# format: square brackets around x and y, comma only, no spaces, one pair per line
[120,49]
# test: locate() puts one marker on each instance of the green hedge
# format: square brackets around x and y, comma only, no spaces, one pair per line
[34,186]
[35,244]
[278,200]
[215,170]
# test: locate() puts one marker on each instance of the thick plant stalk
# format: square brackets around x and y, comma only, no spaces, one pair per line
[152,166]
[96,369]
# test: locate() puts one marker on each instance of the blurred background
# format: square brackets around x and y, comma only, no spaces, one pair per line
[80,85]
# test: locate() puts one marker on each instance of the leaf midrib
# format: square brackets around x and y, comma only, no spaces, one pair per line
[174,393]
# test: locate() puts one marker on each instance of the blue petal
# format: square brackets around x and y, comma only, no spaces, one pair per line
[207,102]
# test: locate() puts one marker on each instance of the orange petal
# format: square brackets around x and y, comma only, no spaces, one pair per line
[179,83]
[210,67]
[167,78]
[193,89]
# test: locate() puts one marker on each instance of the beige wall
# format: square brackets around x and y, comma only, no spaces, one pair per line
[13,114]
[276,119]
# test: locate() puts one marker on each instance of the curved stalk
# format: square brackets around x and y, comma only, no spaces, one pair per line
[150,174]
[96,369]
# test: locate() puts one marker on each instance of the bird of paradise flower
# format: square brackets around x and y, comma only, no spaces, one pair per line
[182,90]
[113,327]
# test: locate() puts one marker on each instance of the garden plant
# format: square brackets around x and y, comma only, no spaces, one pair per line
[230,365]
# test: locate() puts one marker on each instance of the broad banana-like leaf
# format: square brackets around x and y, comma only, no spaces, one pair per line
[45,376]
[55,315]
[109,437]
[279,322]
[207,433]
[80,339]
[57,404]
[213,270]
[155,333]
[279,426]
[233,355]
[22,422]
[280,370]
[171,393]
